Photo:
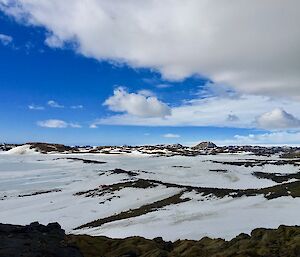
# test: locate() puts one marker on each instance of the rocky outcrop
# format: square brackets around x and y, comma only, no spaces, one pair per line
[203,148]
[281,242]
[48,148]
[50,241]
[35,240]
[205,145]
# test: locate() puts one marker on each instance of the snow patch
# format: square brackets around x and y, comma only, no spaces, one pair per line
[23,149]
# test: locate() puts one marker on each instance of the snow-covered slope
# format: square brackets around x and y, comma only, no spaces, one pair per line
[73,190]
[23,149]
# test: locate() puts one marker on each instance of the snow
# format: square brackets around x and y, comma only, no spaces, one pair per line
[214,218]
[24,172]
[23,149]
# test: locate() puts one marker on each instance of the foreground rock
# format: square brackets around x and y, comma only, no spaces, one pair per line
[37,240]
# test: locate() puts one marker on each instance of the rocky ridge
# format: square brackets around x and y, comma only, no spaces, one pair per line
[36,240]
[203,148]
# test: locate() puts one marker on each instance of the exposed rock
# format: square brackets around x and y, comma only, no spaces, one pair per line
[277,177]
[87,161]
[40,192]
[203,148]
[291,154]
[205,145]
[47,147]
[175,199]
[37,240]
[281,242]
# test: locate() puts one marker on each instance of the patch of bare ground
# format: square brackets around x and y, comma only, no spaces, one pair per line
[108,189]
[175,199]
[255,162]
[286,189]
[277,177]
[40,192]
[81,159]
[219,170]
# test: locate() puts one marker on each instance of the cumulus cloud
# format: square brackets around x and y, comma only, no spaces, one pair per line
[136,104]
[54,104]
[5,39]
[54,123]
[54,41]
[170,135]
[232,118]
[271,138]
[145,92]
[277,119]
[210,111]
[251,45]
[36,107]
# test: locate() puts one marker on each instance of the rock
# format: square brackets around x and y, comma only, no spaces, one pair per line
[281,242]
[48,148]
[205,145]
[35,240]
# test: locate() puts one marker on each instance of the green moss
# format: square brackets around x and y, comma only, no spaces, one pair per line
[281,242]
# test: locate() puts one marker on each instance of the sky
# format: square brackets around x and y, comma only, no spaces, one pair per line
[100,72]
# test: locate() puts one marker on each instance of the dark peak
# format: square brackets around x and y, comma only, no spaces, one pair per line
[205,145]
[49,147]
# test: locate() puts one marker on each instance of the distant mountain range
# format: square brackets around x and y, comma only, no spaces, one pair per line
[203,148]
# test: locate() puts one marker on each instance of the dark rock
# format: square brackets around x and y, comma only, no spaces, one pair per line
[48,148]
[281,242]
[205,145]
[35,240]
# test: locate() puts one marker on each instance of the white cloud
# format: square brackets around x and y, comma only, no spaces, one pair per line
[170,135]
[277,119]
[164,85]
[75,125]
[54,123]
[54,41]
[77,106]
[251,45]
[35,107]
[273,138]
[146,92]
[212,111]
[5,39]
[54,104]
[93,126]
[136,104]
[232,118]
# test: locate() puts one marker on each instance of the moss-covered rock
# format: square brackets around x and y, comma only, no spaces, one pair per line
[36,240]
[281,242]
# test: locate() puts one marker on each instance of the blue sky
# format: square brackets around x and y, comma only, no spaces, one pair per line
[57,89]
